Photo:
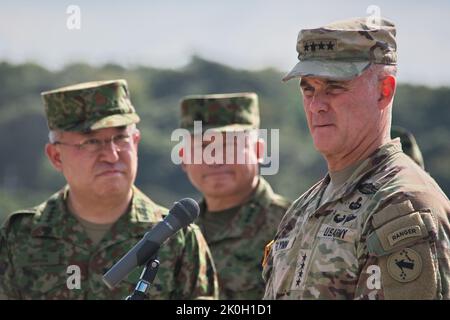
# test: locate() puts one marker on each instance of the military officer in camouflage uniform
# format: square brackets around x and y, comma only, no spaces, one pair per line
[239,210]
[377,226]
[61,248]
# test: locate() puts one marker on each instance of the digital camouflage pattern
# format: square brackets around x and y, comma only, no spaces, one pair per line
[238,245]
[344,49]
[221,112]
[409,144]
[37,246]
[89,106]
[384,234]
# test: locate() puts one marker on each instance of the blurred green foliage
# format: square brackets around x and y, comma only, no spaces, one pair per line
[26,178]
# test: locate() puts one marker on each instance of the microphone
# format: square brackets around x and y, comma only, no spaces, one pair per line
[180,215]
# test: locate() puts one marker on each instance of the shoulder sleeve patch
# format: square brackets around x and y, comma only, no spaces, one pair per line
[404,265]
[410,273]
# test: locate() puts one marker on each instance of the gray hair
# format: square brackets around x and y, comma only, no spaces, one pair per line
[54,135]
[382,70]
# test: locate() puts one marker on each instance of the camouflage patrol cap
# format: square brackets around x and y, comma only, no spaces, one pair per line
[344,49]
[409,144]
[221,112]
[89,106]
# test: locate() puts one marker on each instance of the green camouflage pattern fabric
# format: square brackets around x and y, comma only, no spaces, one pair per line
[340,249]
[409,144]
[238,247]
[221,112]
[89,106]
[344,49]
[38,246]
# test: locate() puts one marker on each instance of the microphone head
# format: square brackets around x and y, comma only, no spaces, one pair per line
[186,210]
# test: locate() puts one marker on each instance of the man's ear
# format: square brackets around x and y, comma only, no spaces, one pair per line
[260,148]
[181,155]
[54,156]
[386,91]
[136,138]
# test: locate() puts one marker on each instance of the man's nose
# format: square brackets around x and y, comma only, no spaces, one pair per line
[110,152]
[318,103]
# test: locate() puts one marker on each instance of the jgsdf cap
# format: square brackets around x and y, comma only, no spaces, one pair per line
[221,112]
[89,106]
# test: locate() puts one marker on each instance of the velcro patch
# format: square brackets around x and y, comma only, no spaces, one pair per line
[340,233]
[391,212]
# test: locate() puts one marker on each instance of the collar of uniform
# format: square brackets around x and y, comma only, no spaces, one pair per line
[310,197]
[264,194]
[54,220]
[377,159]
[142,215]
[249,217]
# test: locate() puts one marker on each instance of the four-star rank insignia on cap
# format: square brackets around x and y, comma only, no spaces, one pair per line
[323,45]
[404,265]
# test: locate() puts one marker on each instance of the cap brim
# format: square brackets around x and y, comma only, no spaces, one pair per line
[336,70]
[116,120]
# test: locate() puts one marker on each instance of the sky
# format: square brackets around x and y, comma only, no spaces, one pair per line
[243,34]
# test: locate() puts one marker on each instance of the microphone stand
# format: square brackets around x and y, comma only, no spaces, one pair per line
[146,279]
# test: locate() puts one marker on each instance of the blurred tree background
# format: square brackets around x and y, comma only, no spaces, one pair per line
[27,179]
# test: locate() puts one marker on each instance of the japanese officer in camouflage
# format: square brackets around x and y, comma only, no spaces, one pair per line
[61,248]
[239,211]
[376,226]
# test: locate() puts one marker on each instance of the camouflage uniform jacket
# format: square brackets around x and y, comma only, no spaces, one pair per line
[238,247]
[38,245]
[384,234]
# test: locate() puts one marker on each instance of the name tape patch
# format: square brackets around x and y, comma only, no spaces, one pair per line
[283,244]
[333,232]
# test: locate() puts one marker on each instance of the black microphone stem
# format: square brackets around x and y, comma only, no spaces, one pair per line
[146,279]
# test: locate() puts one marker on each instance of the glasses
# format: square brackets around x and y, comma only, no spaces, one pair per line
[93,145]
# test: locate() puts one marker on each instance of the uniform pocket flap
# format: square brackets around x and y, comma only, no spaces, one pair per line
[391,212]
[38,259]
